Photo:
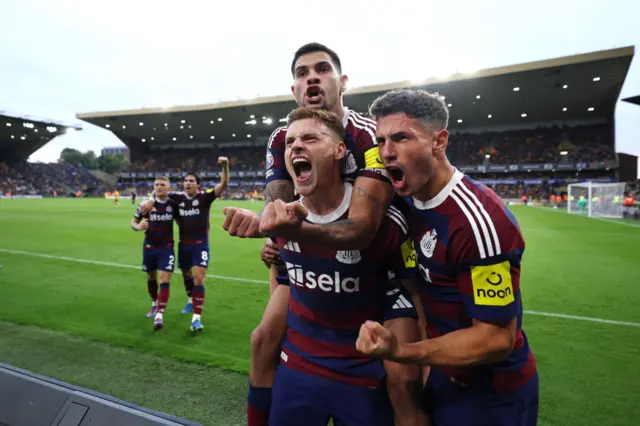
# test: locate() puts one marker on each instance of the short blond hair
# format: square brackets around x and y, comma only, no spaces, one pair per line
[328,118]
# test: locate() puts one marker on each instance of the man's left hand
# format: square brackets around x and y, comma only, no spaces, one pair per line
[283,220]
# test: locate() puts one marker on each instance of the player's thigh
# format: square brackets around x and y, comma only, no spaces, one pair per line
[274,319]
[200,257]
[360,406]
[149,260]
[184,257]
[298,399]
[166,260]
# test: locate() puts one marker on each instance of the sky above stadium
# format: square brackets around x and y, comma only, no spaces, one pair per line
[68,56]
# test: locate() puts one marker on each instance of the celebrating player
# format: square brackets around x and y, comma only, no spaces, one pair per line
[318,83]
[469,250]
[321,375]
[193,222]
[157,251]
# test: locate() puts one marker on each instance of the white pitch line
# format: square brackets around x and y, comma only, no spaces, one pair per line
[602,219]
[248,280]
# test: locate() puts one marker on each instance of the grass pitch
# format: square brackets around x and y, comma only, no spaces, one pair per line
[73,300]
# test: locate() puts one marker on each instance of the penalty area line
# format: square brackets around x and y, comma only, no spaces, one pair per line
[248,280]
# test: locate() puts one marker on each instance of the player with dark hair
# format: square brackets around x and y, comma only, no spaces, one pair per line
[157,254]
[193,221]
[321,375]
[469,252]
[318,83]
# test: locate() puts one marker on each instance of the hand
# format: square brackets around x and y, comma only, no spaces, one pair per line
[146,207]
[376,341]
[223,161]
[283,220]
[241,223]
[270,254]
[143,225]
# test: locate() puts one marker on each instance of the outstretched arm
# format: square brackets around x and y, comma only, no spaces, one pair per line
[224,180]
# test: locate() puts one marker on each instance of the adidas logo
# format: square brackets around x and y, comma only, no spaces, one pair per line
[402,303]
[292,246]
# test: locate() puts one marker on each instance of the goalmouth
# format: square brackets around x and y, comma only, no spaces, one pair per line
[595,199]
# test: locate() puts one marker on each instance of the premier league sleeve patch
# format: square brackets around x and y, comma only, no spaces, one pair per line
[492,285]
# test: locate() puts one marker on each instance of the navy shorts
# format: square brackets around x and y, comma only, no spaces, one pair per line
[193,255]
[158,259]
[451,404]
[303,399]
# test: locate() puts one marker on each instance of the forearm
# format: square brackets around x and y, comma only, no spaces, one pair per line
[280,189]
[466,347]
[369,203]
[224,181]
[134,225]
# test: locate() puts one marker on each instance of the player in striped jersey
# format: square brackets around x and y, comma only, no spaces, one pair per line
[157,253]
[318,83]
[469,252]
[321,375]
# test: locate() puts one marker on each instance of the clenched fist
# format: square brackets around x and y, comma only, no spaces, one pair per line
[376,341]
[223,161]
[270,254]
[283,220]
[241,223]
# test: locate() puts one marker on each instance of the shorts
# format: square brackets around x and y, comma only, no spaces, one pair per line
[193,255]
[450,404]
[303,399]
[158,259]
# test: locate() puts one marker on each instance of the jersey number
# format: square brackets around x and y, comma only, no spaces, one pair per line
[171,260]
[205,257]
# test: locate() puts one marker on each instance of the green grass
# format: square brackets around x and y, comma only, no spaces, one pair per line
[84,323]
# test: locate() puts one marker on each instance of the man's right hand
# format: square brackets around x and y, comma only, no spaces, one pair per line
[143,225]
[270,254]
[241,223]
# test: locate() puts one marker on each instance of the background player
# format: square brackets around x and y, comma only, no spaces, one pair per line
[157,253]
[318,83]
[133,197]
[116,198]
[321,375]
[469,250]
[193,222]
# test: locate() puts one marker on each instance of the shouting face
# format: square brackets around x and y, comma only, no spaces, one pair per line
[317,83]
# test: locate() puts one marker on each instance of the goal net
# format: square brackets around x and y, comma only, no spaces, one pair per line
[596,199]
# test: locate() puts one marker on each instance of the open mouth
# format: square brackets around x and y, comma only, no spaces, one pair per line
[302,168]
[314,95]
[397,175]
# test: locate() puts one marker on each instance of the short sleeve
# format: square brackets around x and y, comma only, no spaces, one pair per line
[368,157]
[397,304]
[489,260]
[209,196]
[275,168]
[137,215]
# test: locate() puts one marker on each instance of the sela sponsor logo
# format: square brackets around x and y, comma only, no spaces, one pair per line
[428,243]
[324,282]
[153,217]
[189,212]
[349,257]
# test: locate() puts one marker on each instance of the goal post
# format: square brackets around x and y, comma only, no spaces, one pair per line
[594,199]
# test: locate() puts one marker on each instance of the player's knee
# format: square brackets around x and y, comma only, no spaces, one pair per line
[165,277]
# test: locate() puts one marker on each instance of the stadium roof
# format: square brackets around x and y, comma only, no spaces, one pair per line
[574,87]
[633,100]
[22,135]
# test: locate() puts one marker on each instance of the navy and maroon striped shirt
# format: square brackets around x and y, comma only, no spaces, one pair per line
[469,250]
[334,291]
[160,218]
[193,216]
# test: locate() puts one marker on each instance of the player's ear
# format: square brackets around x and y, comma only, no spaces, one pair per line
[441,141]
[293,91]
[344,79]
[340,150]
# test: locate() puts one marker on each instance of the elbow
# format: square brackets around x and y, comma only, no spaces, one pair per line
[503,345]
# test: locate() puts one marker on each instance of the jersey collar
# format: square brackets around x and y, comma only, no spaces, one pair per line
[345,118]
[439,199]
[337,213]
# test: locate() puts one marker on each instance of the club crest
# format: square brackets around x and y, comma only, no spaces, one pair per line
[428,243]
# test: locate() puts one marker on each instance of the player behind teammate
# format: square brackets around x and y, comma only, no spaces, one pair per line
[321,375]
[193,222]
[469,251]
[318,83]
[157,253]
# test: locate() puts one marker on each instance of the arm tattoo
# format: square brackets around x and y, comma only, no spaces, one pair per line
[278,190]
[364,193]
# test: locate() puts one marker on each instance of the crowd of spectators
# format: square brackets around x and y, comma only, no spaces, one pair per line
[47,179]
[200,159]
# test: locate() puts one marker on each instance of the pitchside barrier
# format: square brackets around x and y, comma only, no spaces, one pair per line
[28,399]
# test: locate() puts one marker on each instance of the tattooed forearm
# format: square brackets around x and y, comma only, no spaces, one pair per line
[361,192]
[278,190]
